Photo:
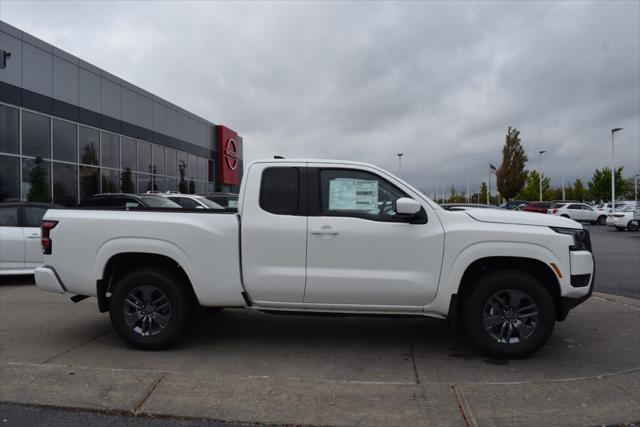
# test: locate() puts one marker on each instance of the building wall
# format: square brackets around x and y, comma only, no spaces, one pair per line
[40,80]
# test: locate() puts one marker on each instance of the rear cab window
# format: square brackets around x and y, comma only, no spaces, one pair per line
[280,190]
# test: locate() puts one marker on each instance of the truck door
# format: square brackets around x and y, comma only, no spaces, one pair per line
[359,252]
[274,232]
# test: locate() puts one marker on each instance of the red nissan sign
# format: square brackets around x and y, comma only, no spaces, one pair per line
[228,156]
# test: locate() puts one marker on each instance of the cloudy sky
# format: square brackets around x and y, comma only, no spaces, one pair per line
[439,82]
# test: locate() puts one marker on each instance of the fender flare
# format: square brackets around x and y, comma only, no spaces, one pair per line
[120,245]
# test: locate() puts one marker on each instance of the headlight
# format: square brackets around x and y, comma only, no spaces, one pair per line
[581,239]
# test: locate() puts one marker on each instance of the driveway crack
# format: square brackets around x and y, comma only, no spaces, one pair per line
[413,356]
[76,346]
[147,395]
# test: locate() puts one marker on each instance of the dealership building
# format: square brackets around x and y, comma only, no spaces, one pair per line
[69,129]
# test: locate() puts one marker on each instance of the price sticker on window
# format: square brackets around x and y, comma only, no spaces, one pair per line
[346,194]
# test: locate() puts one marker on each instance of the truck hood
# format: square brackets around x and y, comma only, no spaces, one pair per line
[505,216]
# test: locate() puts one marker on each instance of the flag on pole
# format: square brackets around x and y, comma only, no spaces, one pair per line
[491,168]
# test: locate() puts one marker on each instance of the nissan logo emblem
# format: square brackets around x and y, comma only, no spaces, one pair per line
[231,154]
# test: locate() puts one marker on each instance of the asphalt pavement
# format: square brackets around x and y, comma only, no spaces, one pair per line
[61,364]
[617,255]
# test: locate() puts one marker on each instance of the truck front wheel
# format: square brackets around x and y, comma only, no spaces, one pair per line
[508,314]
[149,308]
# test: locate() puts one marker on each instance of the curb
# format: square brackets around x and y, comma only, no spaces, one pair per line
[630,302]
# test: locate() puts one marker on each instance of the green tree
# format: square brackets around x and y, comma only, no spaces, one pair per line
[484,193]
[39,189]
[89,155]
[127,184]
[454,197]
[511,175]
[531,190]
[578,191]
[600,183]
[182,171]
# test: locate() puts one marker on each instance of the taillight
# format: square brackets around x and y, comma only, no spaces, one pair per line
[47,244]
[555,210]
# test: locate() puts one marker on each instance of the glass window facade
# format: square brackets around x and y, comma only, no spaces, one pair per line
[110,150]
[89,181]
[9,178]
[157,153]
[65,141]
[89,146]
[36,135]
[9,130]
[144,157]
[144,183]
[192,167]
[129,154]
[65,184]
[48,159]
[36,180]
[110,181]
[202,170]
[171,162]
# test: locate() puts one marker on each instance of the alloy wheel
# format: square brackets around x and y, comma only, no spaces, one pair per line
[510,316]
[147,310]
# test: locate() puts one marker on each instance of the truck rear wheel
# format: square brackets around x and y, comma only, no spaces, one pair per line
[508,314]
[150,308]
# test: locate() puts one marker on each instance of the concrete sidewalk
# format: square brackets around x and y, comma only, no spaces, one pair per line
[249,367]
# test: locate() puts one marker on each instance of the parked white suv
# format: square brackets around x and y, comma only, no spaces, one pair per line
[622,217]
[20,250]
[577,212]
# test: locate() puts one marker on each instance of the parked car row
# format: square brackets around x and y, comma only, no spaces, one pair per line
[20,234]
[625,216]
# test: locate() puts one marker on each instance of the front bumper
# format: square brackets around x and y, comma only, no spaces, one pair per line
[584,263]
[47,280]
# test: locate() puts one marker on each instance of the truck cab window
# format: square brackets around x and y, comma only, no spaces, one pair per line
[279,190]
[359,194]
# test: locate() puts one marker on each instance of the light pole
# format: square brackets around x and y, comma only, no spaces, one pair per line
[613,172]
[469,189]
[635,191]
[541,153]
[400,163]
[563,197]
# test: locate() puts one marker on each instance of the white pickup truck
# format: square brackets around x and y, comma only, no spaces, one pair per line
[323,236]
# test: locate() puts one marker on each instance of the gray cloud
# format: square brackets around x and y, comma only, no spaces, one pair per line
[438,81]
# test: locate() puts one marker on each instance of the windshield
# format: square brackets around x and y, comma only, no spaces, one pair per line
[159,202]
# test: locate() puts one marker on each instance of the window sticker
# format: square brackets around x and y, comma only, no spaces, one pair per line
[347,194]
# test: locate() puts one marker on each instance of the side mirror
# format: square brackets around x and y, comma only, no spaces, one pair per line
[130,205]
[407,207]
[199,207]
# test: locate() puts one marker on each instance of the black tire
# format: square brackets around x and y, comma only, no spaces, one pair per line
[168,296]
[633,226]
[477,310]
[602,220]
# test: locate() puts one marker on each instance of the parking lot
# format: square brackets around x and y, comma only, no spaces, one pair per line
[248,367]
[617,256]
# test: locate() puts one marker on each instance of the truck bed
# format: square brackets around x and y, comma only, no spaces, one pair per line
[203,238]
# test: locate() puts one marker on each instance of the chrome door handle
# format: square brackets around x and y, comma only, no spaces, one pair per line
[329,231]
[33,236]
